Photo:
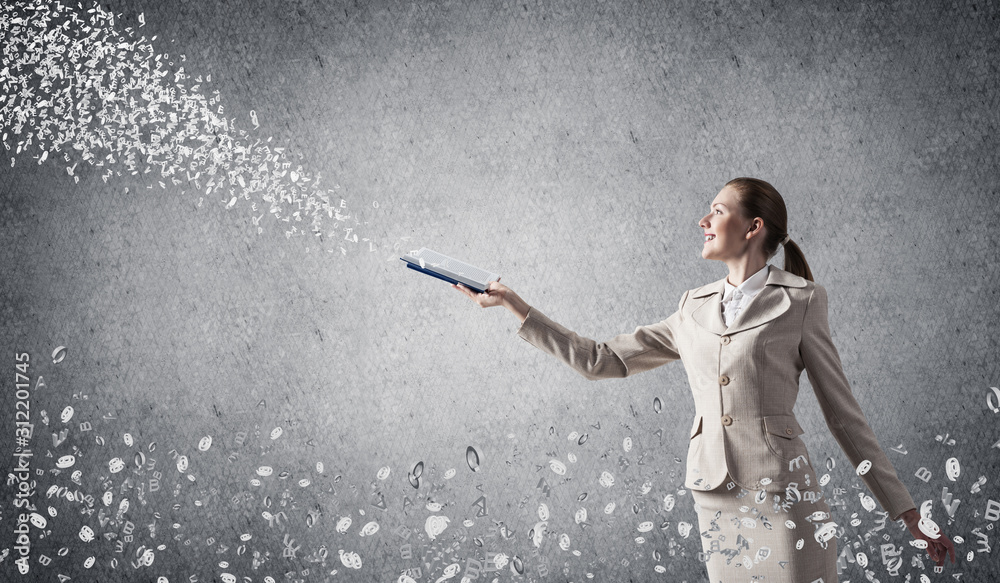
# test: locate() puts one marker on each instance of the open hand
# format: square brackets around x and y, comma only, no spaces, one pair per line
[495,294]
[938,548]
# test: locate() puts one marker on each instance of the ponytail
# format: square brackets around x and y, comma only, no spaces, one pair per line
[795,261]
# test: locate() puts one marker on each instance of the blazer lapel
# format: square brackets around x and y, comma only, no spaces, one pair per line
[768,304]
[708,314]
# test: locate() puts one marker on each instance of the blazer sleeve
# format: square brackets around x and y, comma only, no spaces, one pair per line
[843,413]
[626,354]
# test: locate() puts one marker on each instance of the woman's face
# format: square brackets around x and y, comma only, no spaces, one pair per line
[728,228]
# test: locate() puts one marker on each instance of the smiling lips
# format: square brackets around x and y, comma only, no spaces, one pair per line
[709,237]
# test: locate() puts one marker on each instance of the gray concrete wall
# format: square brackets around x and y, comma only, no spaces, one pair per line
[570,147]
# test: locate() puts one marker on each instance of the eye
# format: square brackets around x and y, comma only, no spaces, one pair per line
[718,211]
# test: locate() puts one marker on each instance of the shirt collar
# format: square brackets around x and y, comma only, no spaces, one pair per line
[750,286]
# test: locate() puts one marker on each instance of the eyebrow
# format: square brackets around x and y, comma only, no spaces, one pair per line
[719,204]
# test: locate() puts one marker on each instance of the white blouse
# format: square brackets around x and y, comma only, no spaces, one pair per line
[736,297]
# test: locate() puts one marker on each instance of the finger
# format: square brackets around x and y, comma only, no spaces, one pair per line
[942,553]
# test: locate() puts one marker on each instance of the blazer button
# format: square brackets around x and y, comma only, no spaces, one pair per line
[724,380]
[727,420]
[788,430]
[725,340]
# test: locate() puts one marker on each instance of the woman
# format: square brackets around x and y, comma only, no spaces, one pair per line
[744,341]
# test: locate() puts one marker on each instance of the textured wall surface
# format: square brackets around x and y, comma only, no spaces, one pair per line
[166,164]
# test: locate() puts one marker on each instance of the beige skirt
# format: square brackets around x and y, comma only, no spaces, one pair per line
[766,537]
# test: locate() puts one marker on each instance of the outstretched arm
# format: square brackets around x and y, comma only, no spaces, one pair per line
[626,354]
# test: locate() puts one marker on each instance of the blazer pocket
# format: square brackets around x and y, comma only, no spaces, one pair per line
[696,428]
[782,435]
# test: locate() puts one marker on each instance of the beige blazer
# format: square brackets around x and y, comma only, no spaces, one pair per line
[745,379]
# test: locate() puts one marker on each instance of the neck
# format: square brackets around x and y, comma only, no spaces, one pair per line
[741,269]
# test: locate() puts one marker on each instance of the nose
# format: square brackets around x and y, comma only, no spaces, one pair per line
[703,223]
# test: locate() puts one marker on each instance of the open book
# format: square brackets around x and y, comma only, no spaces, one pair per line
[451,270]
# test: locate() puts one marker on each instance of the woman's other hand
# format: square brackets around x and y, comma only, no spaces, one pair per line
[497,294]
[938,548]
